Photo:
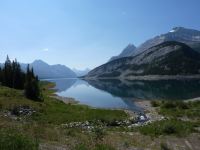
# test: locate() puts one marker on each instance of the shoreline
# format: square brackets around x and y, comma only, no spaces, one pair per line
[149,110]
[66,100]
[150,114]
[192,99]
[148,77]
[69,100]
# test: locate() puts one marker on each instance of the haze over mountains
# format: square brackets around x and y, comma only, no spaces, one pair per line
[173,53]
[46,71]
[81,72]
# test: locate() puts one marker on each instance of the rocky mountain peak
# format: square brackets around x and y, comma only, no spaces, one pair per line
[130,49]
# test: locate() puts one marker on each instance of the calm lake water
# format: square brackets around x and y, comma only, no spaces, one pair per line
[122,94]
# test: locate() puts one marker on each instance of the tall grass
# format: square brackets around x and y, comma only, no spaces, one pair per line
[12,140]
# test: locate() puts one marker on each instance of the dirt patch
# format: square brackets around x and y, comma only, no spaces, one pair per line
[150,111]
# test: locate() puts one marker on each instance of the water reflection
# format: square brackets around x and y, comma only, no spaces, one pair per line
[63,84]
[150,90]
[123,93]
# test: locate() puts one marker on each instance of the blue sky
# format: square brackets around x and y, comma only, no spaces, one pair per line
[86,33]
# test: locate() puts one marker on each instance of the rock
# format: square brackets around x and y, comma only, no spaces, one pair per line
[22,111]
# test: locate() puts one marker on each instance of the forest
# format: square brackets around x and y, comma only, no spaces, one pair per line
[12,76]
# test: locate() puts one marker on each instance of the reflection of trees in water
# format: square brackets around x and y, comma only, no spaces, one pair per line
[165,89]
[63,84]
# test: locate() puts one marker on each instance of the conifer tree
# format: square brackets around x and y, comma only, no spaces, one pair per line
[32,90]
[7,71]
[12,76]
[18,76]
[1,76]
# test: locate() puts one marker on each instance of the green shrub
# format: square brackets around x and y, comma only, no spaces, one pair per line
[81,147]
[168,105]
[99,133]
[103,147]
[155,103]
[168,127]
[164,146]
[180,109]
[97,147]
[175,104]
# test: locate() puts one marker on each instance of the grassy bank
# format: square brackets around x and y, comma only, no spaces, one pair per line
[55,111]
[44,124]
[181,119]
[44,128]
[178,109]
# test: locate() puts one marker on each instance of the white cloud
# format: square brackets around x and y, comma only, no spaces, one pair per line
[172,31]
[46,49]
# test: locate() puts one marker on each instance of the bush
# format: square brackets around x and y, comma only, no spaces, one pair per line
[103,147]
[174,109]
[175,104]
[168,127]
[81,147]
[182,105]
[168,105]
[164,146]
[99,133]
[155,103]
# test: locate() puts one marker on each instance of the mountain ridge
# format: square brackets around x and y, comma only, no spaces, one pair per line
[130,49]
[191,37]
[167,58]
[44,70]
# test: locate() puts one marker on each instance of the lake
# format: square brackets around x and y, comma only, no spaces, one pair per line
[112,93]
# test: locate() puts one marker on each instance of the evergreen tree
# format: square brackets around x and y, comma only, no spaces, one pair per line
[7,73]
[12,76]
[32,90]
[18,76]
[1,76]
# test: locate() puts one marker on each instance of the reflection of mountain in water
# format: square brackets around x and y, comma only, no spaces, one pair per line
[63,84]
[160,90]
[80,82]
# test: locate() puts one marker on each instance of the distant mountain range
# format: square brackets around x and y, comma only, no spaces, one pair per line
[80,73]
[173,53]
[46,71]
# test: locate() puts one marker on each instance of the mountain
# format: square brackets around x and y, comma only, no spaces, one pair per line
[81,72]
[190,37]
[167,58]
[129,50]
[44,70]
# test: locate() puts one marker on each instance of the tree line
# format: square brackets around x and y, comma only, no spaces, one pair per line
[11,75]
